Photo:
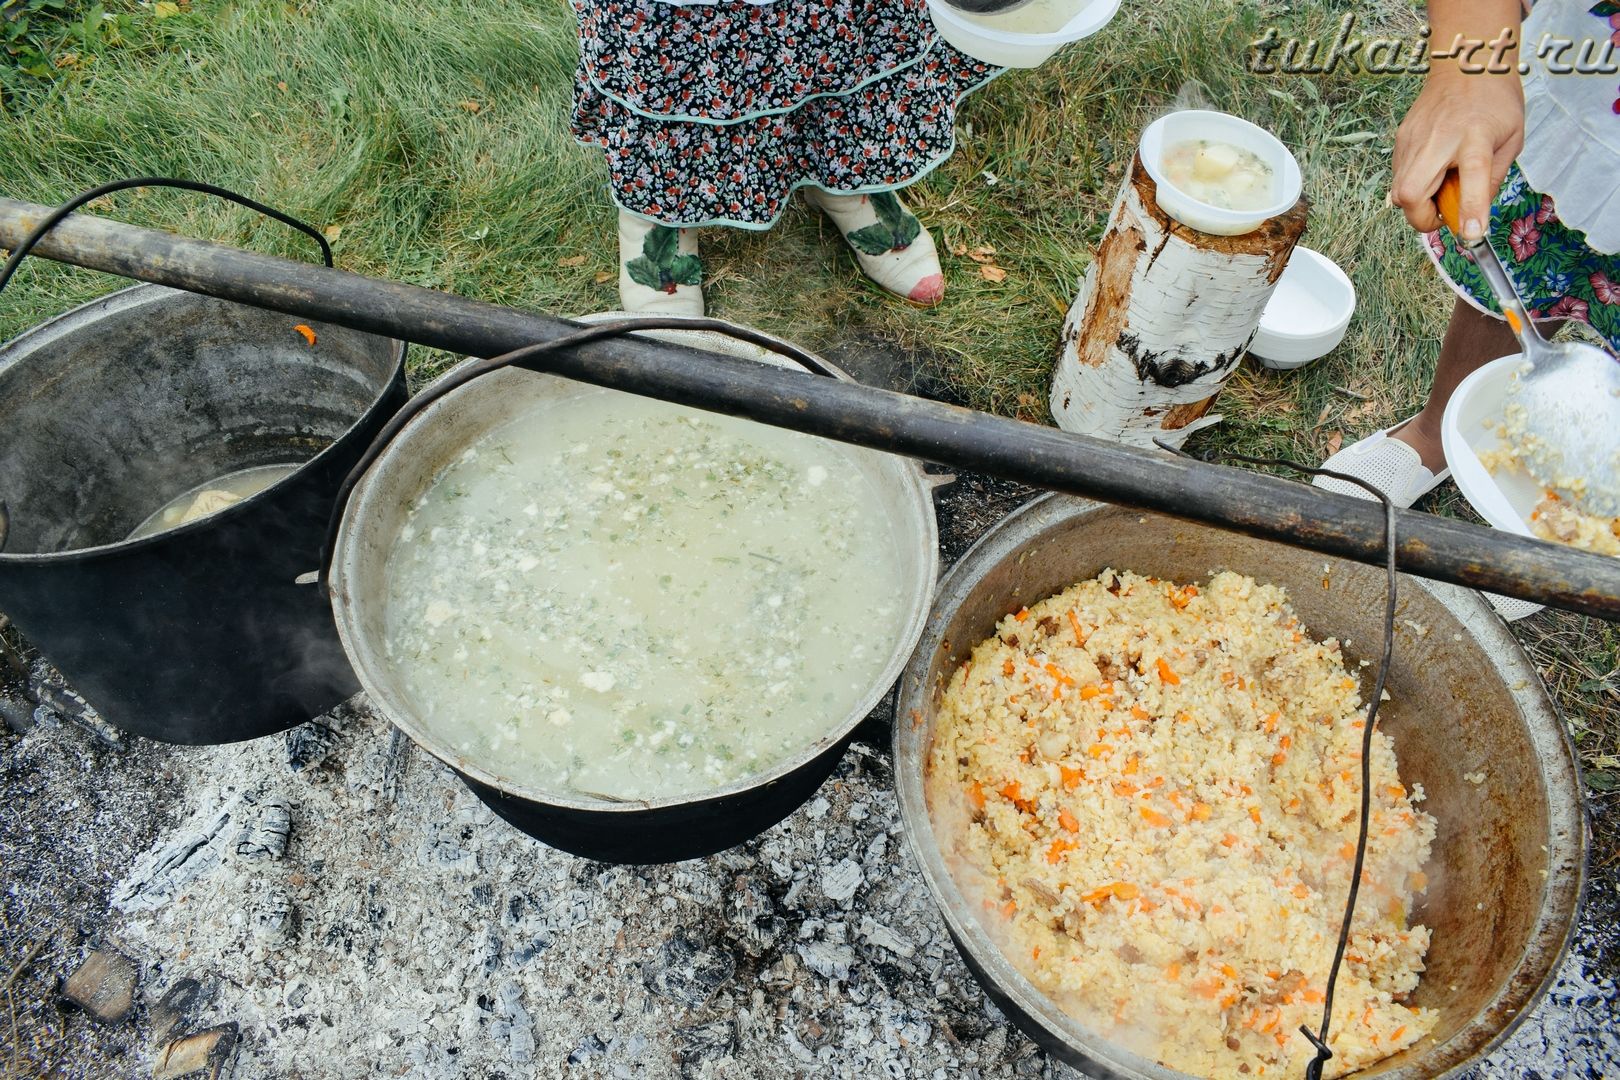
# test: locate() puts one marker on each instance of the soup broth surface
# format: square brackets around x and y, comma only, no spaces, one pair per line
[1220,174]
[211,498]
[626,599]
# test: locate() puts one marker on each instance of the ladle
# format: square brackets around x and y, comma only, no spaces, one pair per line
[1570,393]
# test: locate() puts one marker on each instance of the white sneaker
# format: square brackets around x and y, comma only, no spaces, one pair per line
[659,269]
[1511,608]
[1387,464]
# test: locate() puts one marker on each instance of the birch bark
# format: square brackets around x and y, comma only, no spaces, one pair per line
[1162,319]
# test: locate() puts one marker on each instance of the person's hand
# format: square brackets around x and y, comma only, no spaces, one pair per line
[1471,122]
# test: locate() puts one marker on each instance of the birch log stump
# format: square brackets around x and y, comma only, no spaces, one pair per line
[1162,319]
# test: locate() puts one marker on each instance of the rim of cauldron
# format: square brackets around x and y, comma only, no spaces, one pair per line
[1550,934]
[882,684]
[127,299]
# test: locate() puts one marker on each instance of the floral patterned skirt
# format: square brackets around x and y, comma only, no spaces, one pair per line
[712,114]
[1557,274]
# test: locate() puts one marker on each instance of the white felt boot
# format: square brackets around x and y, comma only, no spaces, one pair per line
[889,242]
[659,270]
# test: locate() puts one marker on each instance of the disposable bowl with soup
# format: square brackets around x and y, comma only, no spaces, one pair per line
[1468,716]
[1023,36]
[1185,126]
[578,601]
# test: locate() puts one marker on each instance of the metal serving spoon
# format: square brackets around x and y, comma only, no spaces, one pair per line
[1570,394]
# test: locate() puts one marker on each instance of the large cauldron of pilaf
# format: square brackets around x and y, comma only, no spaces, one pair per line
[1468,719]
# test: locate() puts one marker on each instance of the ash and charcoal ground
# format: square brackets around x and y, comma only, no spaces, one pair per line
[346,903]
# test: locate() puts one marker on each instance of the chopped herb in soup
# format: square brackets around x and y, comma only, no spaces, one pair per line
[631,600]
[1220,174]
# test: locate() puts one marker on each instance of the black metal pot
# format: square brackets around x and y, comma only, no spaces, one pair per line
[196,635]
[667,833]
[455,414]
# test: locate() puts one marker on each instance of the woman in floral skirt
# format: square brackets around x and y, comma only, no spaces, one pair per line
[714,113]
[1537,149]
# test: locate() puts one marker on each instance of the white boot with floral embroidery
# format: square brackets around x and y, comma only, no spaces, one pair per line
[659,270]
[891,245]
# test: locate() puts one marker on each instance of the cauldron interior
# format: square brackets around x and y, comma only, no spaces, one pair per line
[1508,862]
[119,407]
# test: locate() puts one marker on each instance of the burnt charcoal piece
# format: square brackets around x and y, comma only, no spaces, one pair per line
[203,1055]
[309,744]
[589,1047]
[689,972]
[275,919]
[176,1006]
[751,916]
[713,1041]
[103,986]
[265,837]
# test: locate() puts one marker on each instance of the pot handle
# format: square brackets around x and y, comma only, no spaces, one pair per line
[21,251]
[62,211]
[528,357]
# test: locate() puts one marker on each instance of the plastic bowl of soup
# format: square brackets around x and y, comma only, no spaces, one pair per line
[1218,173]
[1025,36]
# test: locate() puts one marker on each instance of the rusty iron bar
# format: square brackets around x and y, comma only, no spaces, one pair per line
[1230,498]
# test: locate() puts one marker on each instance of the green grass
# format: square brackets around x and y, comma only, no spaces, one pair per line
[433,139]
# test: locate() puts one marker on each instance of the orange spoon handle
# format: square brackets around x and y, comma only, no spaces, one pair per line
[1449,200]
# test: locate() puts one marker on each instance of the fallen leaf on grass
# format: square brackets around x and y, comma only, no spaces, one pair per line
[992,273]
[572,260]
[603,277]
[984,254]
[1321,417]
[1335,440]
[473,107]
[164,9]
[959,249]
[332,232]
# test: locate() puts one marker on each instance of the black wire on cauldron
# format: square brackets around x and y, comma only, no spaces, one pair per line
[51,220]
[1319,1038]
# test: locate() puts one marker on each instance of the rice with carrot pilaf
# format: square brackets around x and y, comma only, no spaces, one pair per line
[1154,790]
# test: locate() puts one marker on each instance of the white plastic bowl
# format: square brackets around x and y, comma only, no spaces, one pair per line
[1467,430]
[1308,312]
[1174,127]
[984,40]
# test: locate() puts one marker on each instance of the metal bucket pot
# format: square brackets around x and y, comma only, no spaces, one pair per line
[196,635]
[1508,863]
[664,830]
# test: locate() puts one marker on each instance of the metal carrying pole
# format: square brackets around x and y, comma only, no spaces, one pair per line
[1225,497]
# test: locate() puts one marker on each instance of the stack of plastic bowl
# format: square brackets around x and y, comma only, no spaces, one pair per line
[996,39]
